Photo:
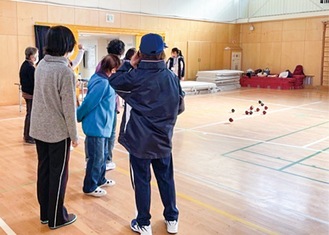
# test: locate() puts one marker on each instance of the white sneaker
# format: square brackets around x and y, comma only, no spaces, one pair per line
[143,230]
[110,166]
[71,148]
[98,192]
[172,226]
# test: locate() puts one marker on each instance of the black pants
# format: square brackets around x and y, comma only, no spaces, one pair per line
[141,177]
[27,119]
[52,179]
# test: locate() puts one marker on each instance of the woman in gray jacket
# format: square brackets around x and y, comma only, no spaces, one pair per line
[53,125]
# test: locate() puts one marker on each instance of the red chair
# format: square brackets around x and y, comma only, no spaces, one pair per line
[299,76]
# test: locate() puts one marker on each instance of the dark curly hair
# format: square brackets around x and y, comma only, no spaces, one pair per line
[116,47]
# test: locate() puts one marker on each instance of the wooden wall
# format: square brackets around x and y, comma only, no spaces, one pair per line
[281,45]
[278,45]
[16,33]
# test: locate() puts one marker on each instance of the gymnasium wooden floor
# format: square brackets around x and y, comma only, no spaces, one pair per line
[260,174]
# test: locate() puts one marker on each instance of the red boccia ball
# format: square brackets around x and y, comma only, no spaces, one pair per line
[264,112]
[231,119]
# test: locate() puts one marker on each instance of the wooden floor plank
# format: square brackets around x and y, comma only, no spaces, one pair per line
[260,174]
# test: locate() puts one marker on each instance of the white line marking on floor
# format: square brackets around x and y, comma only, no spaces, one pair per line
[315,142]
[6,228]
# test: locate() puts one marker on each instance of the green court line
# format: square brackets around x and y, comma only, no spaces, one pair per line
[269,156]
[303,159]
[313,166]
[270,168]
[285,160]
[305,177]
[278,137]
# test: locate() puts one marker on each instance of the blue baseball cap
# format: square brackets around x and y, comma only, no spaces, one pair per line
[152,44]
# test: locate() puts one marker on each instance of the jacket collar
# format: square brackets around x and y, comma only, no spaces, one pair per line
[60,59]
[152,64]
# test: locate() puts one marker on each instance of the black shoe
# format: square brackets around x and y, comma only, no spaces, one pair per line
[72,218]
[30,141]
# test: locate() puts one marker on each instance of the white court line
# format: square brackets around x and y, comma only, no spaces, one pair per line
[250,116]
[6,228]
[315,142]
[256,140]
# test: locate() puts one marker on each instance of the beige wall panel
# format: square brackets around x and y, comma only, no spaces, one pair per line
[216,55]
[86,17]
[234,33]
[8,9]
[8,18]
[8,25]
[102,20]
[130,21]
[270,54]
[205,56]
[193,35]
[26,19]
[271,36]
[292,54]
[149,23]
[61,15]
[166,23]
[9,70]
[181,35]
[192,59]
[312,60]
[298,24]
[252,37]
[315,23]
[314,35]
[293,35]
[222,34]
[24,42]
[271,26]
[251,56]
[35,12]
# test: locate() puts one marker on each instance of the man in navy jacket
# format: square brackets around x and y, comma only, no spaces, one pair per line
[152,96]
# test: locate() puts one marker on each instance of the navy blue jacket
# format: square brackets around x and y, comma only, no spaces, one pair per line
[152,93]
[26,75]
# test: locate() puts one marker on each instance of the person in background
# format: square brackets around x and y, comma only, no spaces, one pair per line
[152,96]
[176,63]
[97,113]
[77,60]
[115,47]
[129,54]
[53,125]
[26,75]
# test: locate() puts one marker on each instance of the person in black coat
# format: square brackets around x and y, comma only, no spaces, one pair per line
[26,75]
[176,63]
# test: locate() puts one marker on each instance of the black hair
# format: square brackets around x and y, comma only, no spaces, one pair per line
[116,47]
[130,53]
[59,41]
[110,62]
[175,49]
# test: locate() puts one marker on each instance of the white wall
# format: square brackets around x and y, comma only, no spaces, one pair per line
[99,43]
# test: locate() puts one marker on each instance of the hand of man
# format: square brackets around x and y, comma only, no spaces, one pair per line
[75,143]
[135,59]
